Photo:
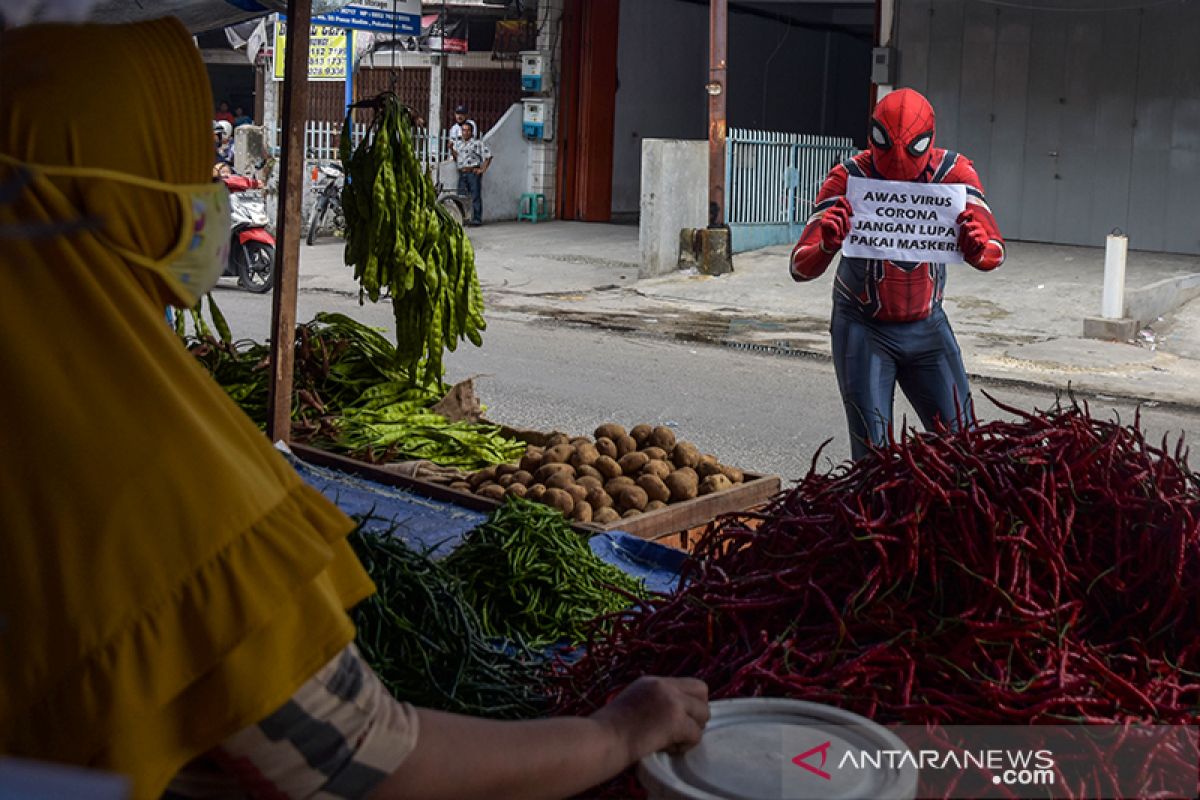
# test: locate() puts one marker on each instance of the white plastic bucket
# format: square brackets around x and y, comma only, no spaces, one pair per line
[747,754]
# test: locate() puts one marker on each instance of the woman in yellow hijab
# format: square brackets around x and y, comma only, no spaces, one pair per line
[169,588]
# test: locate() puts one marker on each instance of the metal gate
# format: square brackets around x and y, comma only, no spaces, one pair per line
[772,180]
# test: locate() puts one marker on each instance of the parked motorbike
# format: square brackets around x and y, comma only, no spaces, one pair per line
[327,184]
[251,244]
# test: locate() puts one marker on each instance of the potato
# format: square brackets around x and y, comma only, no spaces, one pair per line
[609,430]
[630,512]
[582,512]
[588,482]
[632,463]
[483,476]
[505,480]
[492,491]
[598,498]
[585,455]
[626,444]
[559,454]
[607,467]
[632,497]
[560,480]
[556,438]
[654,488]
[663,437]
[544,472]
[603,516]
[685,454]
[659,469]
[559,499]
[655,453]
[536,493]
[521,476]
[734,474]
[683,483]
[532,459]
[518,489]
[506,469]
[615,486]
[706,468]
[641,433]
[606,447]
[578,493]
[655,505]
[461,486]
[715,483]
[587,471]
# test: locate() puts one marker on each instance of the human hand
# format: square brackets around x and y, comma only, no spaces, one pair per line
[972,237]
[835,224]
[654,714]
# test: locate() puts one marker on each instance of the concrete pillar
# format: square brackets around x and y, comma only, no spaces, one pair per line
[437,75]
[543,156]
[270,115]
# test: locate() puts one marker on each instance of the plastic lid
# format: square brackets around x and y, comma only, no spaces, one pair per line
[748,749]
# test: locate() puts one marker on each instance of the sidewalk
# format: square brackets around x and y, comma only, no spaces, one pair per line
[1022,323]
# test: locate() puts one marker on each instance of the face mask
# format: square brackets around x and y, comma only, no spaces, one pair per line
[197,259]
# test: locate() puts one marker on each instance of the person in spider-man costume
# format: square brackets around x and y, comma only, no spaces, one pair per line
[888,325]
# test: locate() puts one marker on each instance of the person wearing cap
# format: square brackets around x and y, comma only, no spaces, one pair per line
[460,119]
[172,595]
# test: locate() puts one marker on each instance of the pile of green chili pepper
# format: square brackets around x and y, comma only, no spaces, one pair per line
[532,578]
[351,394]
[428,645]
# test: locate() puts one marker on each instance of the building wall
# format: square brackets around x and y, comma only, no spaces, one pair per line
[1078,123]
[781,78]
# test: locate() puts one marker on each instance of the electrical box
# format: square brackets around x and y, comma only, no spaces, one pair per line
[537,119]
[883,66]
[533,71]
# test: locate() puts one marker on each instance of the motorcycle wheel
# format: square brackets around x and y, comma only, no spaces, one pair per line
[256,267]
[454,208]
[314,224]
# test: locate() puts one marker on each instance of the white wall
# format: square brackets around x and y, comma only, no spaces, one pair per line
[781,78]
[674,197]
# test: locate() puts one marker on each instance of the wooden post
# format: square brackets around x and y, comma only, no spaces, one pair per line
[291,195]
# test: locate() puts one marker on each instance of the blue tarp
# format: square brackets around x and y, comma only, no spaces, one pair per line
[440,526]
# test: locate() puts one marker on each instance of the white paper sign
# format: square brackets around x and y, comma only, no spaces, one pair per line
[902,221]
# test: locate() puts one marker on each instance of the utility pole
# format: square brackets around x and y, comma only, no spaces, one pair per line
[716,258]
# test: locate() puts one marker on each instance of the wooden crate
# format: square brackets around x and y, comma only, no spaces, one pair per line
[663,525]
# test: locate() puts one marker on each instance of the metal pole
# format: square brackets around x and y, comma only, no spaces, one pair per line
[349,68]
[718,30]
[291,194]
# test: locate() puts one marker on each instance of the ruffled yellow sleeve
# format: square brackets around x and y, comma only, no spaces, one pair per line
[165,576]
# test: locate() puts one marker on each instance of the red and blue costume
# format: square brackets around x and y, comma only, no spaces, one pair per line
[888,325]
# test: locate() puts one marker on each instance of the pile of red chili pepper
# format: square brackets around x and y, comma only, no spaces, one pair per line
[1039,571]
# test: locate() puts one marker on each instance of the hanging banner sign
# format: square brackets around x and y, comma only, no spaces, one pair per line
[326,52]
[401,17]
[901,221]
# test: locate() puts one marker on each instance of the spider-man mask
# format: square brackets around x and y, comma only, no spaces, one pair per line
[901,138]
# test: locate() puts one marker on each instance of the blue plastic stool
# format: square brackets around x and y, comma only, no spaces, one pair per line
[532,206]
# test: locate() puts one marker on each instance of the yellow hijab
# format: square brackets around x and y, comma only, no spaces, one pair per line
[165,577]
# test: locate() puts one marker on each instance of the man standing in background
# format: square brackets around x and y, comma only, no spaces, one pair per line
[473,158]
[460,119]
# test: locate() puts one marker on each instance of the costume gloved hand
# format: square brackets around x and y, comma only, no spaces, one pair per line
[977,247]
[835,224]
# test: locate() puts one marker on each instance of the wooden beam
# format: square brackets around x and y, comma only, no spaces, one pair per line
[718,91]
[291,195]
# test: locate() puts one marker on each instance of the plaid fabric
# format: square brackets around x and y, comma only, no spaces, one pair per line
[338,737]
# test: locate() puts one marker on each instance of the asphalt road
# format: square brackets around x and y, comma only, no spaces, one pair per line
[763,413]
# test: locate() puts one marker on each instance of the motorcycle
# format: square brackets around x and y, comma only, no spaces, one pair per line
[251,244]
[327,185]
